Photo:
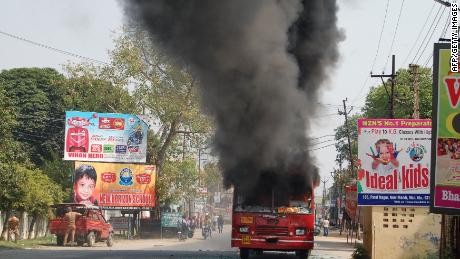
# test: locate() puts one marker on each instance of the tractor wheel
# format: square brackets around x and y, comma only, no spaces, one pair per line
[91,239]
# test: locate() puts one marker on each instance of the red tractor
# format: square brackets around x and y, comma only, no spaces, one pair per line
[91,226]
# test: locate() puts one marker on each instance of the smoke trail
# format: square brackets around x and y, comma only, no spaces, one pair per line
[261,64]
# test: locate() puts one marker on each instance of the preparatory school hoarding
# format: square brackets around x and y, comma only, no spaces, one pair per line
[105,137]
[445,179]
[114,184]
[394,160]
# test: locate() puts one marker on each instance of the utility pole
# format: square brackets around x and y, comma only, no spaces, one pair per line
[350,158]
[414,71]
[324,196]
[392,77]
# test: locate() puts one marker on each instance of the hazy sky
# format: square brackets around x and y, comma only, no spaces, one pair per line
[88,28]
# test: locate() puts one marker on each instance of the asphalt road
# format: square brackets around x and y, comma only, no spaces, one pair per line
[216,247]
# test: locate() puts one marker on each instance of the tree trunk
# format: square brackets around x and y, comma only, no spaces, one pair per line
[169,138]
[31,226]
[5,226]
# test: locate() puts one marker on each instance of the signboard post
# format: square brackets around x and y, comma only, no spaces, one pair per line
[105,137]
[394,162]
[445,178]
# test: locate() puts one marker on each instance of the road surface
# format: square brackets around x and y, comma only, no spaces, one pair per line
[216,247]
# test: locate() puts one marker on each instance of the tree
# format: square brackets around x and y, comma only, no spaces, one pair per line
[40,192]
[179,179]
[212,175]
[37,100]
[166,91]
[377,99]
[12,192]
[89,88]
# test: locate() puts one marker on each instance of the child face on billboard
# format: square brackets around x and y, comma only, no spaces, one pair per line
[85,188]
[385,154]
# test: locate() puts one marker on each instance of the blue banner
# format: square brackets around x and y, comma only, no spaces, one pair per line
[383,199]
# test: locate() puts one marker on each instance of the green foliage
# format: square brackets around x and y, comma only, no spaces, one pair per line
[59,171]
[166,91]
[89,88]
[179,179]
[12,191]
[212,175]
[40,192]
[37,101]
[377,100]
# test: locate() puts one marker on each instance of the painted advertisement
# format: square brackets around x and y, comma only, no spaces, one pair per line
[114,184]
[394,162]
[105,137]
[445,189]
[351,204]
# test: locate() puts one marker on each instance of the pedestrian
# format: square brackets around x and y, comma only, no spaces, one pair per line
[220,223]
[70,218]
[326,227]
[13,228]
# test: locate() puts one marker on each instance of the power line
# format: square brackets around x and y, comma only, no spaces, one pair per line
[420,32]
[322,147]
[394,36]
[376,53]
[431,36]
[427,33]
[68,53]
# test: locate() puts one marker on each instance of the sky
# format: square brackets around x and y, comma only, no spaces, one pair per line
[88,28]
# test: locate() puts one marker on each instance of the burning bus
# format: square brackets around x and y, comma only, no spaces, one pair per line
[273,221]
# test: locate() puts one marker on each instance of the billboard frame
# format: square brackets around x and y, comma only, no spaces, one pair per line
[434,137]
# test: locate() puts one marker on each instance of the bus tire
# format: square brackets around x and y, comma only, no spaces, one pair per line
[302,254]
[244,253]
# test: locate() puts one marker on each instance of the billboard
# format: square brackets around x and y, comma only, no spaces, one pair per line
[114,185]
[351,201]
[170,219]
[105,137]
[445,179]
[394,162]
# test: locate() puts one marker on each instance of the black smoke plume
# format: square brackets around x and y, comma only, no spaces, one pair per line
[260,64]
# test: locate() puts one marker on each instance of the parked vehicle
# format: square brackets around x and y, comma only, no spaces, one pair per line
[91,226]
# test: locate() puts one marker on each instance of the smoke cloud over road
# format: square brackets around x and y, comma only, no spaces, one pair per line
[260,64]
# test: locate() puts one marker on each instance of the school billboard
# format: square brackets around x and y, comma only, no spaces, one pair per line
[445,179]
[105,137]
[394,162]
[114,184]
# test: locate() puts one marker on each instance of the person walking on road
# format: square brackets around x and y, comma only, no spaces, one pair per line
[220,223]
[13,228]
[326,227]
[70,218]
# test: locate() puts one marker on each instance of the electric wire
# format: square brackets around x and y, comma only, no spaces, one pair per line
[426,35]
[68,53]
[429,39]
[394,36]
[376,53]
[420,33]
